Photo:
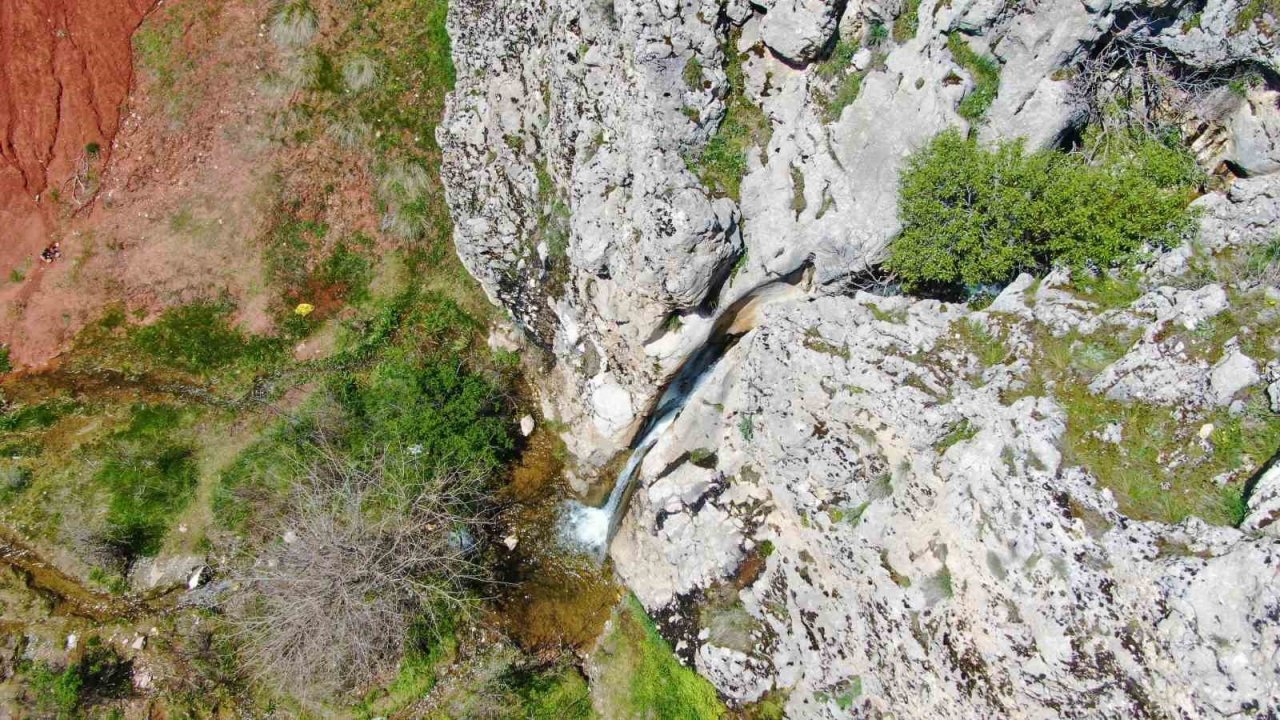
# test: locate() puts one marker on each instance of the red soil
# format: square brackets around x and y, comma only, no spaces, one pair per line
[65,69]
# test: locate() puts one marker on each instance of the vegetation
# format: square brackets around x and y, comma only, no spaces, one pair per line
[641,677]
[375,550]
[723,163]
[985,72]
[845,84]
[907,23]
[99,674]
[198,338]
[166,57]
[973,216]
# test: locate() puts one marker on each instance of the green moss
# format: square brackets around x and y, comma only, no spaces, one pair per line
[643,679]
[985,72]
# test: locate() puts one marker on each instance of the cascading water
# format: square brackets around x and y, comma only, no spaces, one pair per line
[591,528]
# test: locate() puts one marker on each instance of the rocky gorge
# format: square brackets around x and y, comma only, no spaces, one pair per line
[1061,504]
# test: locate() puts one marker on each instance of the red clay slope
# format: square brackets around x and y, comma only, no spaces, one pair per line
[65,71]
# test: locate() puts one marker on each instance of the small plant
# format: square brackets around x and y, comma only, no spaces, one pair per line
[692,73]
[877,34]
[6,365]
[295,24]
[746,427]
[958,433]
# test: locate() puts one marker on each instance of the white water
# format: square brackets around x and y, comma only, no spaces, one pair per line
[590,528]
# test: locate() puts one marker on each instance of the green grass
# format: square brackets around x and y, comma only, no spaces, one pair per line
[64,693]
[985,72]
[1254,11]
[723,163]
[692,73]
[557,694]
[150,473]
[907,23]
[1162,470]
[641,678]
[975,338]
[199,338]
[959,432]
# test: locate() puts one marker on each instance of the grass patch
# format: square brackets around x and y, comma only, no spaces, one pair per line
[907,23]
[987,346]
[63,693]
[164,52]
[151,476]
[641,678]
[1162,470]
[723,163]
[985,72]
[957,433]
[199,338]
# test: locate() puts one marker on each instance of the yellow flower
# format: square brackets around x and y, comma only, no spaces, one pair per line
[304,309]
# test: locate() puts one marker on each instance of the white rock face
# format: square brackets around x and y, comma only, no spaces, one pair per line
[1264,503]
[894,525]
[798,30]
[978,577]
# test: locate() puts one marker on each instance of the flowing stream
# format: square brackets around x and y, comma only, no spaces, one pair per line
[592,528]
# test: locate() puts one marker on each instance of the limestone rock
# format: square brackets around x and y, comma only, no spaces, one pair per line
[1233,373]
[164,571]
[1264,503]
[797,30]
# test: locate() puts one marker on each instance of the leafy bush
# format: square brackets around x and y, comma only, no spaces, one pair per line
[973,216]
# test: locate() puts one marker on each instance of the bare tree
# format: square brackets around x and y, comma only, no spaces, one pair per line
[362,556]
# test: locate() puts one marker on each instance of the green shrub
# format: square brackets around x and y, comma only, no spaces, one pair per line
[973,216]
[6,365]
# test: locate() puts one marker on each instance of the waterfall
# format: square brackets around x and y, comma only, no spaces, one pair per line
[591,528]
